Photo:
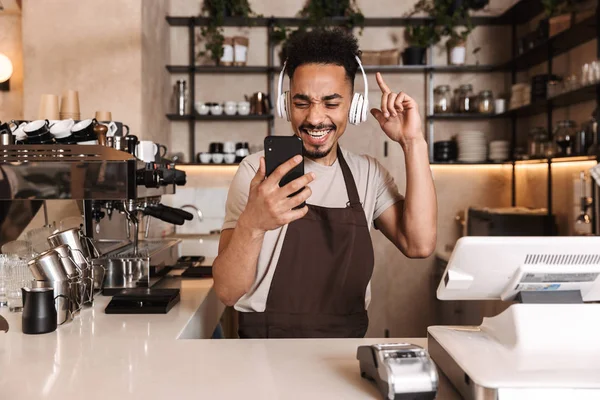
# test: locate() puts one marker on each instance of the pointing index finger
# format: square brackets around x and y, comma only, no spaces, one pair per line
[384,88]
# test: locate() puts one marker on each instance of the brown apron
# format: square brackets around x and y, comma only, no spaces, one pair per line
[319,285]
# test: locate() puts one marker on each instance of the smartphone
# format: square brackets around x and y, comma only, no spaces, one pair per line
[279,149]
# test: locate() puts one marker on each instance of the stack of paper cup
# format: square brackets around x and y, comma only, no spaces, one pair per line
[104,116]
[69,105]
[48,107]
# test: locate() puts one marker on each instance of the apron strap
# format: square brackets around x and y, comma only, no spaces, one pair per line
[354,199]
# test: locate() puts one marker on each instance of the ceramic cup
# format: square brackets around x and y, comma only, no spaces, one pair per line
[499,106]
[204,158]
[229,158]
[230,107]
[116,128]
[229,147]
[216,109]
[37,128]
[62,129]
[217,158]
[19,132]
[202,108]
[84,129]
[146,150]
[243,108]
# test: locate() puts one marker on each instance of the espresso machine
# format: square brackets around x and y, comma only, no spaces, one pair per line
[115,191]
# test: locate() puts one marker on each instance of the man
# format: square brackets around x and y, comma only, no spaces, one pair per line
[306,272]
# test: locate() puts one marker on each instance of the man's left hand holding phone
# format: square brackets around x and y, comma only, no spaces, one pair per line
[269,206]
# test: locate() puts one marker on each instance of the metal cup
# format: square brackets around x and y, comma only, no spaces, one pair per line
[6,138]
[62,299]
[48,267]
[66,258]
[78,245]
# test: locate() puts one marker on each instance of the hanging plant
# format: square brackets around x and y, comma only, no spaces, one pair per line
[212,33]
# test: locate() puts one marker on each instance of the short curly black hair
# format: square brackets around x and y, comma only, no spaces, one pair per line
[323,46]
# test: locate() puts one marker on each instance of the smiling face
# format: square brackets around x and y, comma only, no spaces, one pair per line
[320,100]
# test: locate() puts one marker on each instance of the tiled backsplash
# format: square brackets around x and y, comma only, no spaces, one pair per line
[210,201]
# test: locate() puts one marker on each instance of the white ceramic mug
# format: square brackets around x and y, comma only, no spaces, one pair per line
[216,109]
[499,106]
[217,158]
[230,107]
[62,128]
[146,150]
[243,108]
[205,158]
[202,108]
[19,133]
[229,158]
[229,148]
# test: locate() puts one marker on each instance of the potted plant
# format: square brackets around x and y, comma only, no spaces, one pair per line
[558,17]
[420,37]
[212,32]
[452,19]
[315,13]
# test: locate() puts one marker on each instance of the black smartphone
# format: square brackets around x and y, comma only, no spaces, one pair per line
[279,149]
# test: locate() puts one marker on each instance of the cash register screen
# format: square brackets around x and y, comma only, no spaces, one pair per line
[498,267]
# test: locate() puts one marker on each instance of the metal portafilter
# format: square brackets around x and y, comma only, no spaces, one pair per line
[166,214]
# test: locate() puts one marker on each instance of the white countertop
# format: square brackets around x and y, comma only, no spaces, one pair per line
[100,356]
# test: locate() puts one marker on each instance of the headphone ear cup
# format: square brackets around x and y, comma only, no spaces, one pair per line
[288,106]
[352,112]
[360,109]
[365,108]
[281,105]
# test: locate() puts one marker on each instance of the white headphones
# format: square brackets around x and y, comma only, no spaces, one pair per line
[358,108]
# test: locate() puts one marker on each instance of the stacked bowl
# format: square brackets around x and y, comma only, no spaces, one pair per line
[445,151]
[472,147]
[499,150]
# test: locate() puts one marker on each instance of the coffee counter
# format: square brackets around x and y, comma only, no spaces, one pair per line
[100,356]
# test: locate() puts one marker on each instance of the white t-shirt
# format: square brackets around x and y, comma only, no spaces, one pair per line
[376,189]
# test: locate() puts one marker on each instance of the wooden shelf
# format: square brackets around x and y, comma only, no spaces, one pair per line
[555,160]
[337,21]
[369,69]
[578,34]
[465,117]
[214,69]
[434,68]
[198,117]
[470,163]
[521,12]
[566,99]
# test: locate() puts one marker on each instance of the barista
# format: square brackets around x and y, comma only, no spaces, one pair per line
[306,272]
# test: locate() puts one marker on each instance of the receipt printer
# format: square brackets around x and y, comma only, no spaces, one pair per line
[402,371]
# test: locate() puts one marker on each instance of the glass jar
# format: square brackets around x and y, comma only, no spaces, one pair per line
[442,98]
[455,101]
[464,98]
[564,136]
[485,102]
[536,142]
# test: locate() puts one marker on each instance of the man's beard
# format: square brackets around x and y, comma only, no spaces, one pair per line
[319,153]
